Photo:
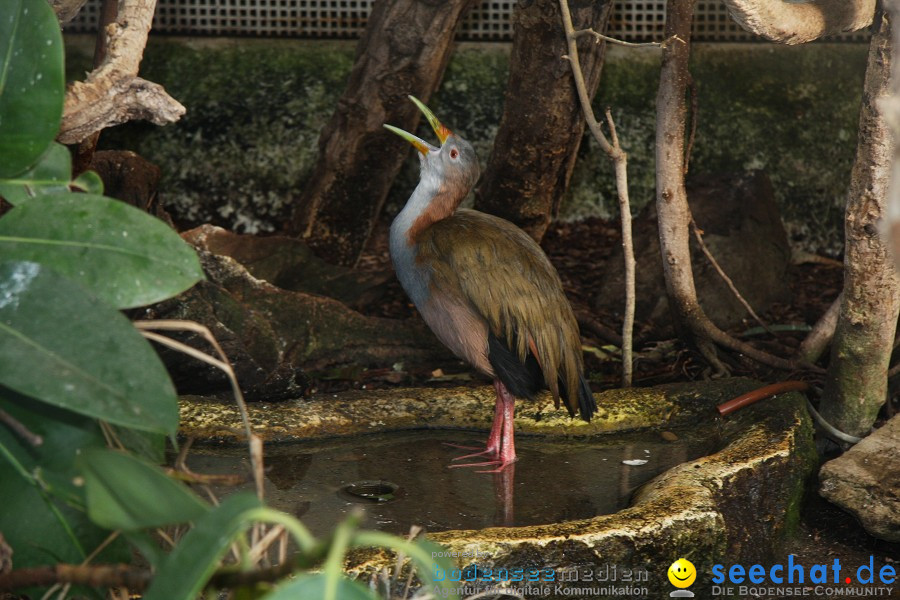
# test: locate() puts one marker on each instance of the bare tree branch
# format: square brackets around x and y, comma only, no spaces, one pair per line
[599,37]
[138,579]
[66,9]
[715,264]
[19,429]
[620,161]
[817,340]
[796,23]
[113,93]
[671,200]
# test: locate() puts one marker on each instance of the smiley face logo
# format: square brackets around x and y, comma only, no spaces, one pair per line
[682,573]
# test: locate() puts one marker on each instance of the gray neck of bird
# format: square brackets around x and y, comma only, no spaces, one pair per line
[403,247]
[430,202]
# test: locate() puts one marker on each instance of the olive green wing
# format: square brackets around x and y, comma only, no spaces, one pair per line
[506,278]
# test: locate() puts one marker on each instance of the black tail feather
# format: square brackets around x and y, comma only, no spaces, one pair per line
[586,403]
[522,380]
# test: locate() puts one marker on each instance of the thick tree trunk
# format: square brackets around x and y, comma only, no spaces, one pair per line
[404,50]
[537,143]
[857,375]
[671,196]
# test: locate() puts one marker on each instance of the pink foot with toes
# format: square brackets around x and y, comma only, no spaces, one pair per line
[500,447]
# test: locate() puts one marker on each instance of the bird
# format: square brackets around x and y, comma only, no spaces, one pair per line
[486,290]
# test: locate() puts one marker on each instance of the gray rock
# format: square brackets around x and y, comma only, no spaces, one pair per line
[741,227]
[866,481]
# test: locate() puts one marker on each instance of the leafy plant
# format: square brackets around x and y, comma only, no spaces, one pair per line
[77,377]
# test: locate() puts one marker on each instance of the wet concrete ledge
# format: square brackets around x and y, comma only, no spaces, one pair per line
[377,411]
[733,506]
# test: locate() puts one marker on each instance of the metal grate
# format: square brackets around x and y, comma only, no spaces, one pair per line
[632,20]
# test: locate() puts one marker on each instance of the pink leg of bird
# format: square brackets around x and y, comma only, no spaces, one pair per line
[501,445]
[492,449]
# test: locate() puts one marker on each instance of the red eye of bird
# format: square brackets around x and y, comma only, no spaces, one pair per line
[454,154]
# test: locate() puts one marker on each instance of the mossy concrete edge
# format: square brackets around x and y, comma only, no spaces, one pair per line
[377,411]
[733,506]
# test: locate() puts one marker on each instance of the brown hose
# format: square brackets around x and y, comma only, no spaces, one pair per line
[760,394]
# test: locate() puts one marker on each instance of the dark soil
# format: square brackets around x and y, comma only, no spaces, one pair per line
[827,533]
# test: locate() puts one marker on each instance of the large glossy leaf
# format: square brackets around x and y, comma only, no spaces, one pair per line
[121,254]
[313,586]
[184,572]
[31,82]
[49,175]
[42,515]
[61,345]
[126,493]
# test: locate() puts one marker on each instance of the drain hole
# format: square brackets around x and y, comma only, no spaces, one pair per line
[370,491]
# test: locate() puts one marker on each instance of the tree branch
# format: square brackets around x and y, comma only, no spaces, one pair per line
[599,37]
[66,9]
[671,200]
[817,339]
[620,162]
[796,23]
[864,338]
[698,234]
[19,429]
[113,93]
[134,578]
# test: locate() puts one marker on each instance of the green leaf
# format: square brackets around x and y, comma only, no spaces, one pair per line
[184,572]
[31,82]
[144,543]
[88,182]
[43,516]
[61,345]
[143,444]
[313,586]
[121,254]
[126,493]
[48,176]
[421,551]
